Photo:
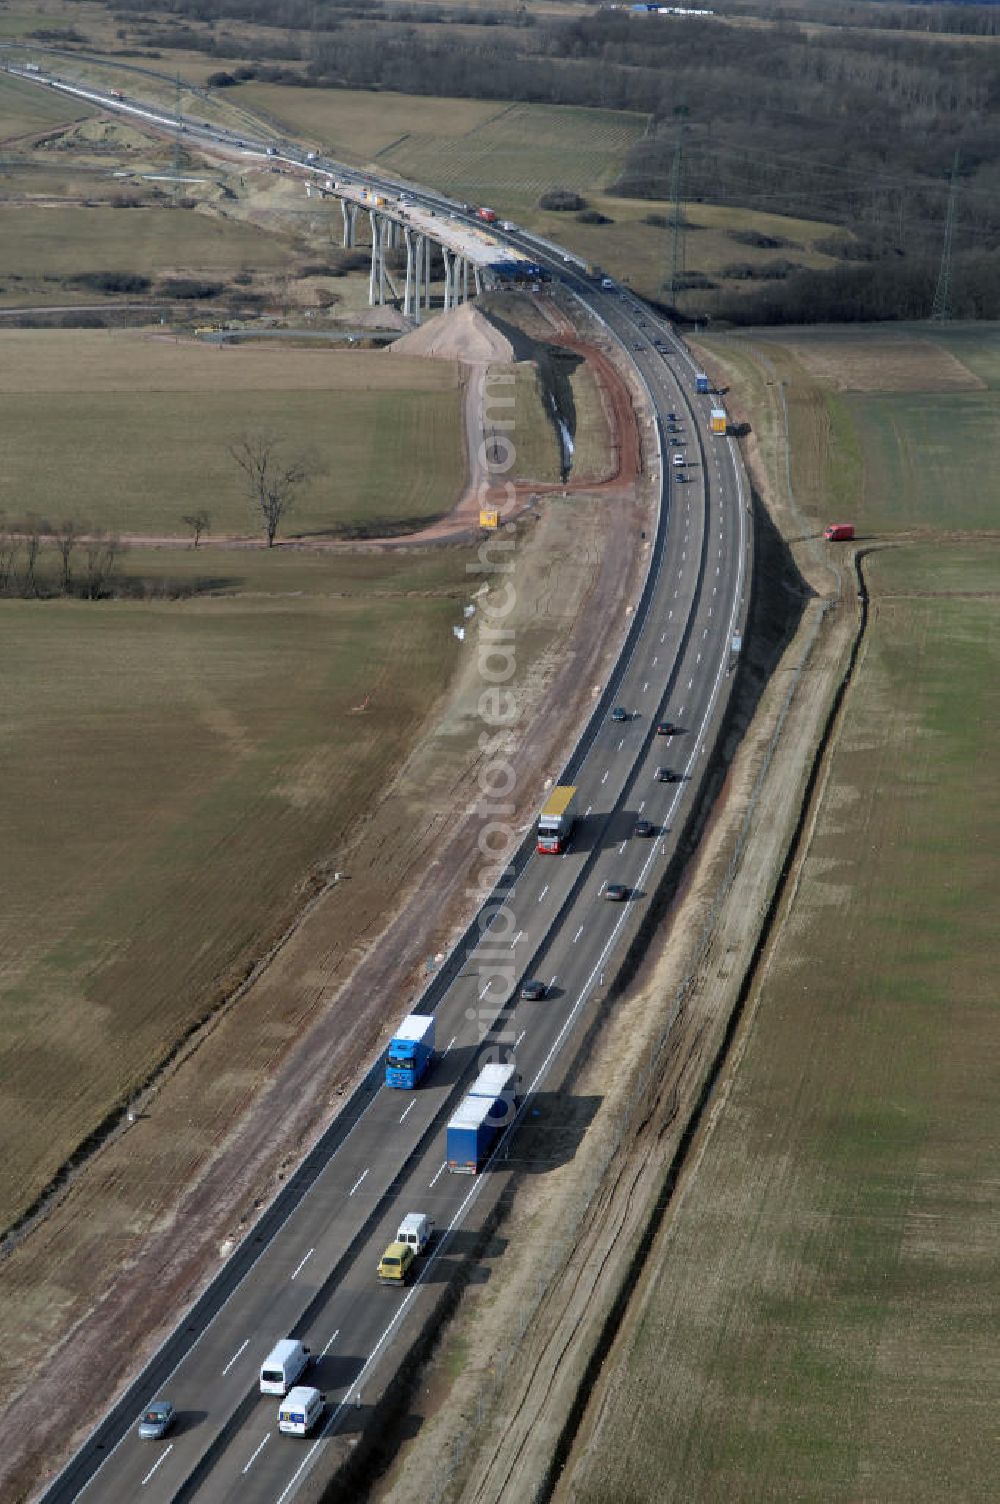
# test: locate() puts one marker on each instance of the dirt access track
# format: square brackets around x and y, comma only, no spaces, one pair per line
[92,1286]
[481,491]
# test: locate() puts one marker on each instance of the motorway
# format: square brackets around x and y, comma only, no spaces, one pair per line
[307,1269]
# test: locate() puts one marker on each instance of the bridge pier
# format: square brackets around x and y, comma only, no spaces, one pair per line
[449,277]
[376,279]
[350,213]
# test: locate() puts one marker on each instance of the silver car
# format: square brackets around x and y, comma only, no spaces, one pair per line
[156,1420]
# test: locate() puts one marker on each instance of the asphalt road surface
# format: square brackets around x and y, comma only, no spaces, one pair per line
[308,1269]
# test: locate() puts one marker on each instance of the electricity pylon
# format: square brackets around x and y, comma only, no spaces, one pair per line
[677,220]
[941,308]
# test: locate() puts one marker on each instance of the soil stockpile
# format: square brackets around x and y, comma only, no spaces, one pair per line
[464,333]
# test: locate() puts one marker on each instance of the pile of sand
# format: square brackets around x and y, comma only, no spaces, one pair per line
[461,334]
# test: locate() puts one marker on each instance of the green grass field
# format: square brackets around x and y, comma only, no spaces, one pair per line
[154,242]
[925,460]
[820,1320]
[909,424]
[640,254]
[173,772]
[502,154]
[129,432]
[24,107]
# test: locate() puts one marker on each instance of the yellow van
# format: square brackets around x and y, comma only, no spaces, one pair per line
[395,1264]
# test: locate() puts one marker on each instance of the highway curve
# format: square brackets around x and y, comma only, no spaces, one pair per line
[307,1268]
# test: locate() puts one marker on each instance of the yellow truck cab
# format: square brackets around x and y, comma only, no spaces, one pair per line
[395,1264]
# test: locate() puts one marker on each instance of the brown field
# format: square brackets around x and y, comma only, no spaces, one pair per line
[175,771]
[895,360]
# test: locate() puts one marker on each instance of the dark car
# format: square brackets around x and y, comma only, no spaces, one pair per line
[617,892]
[156,1420]
[666,728]
[671,417]
[675,440]
[643,828]
[666,775]
[532,991]
[638,345]
[619,713]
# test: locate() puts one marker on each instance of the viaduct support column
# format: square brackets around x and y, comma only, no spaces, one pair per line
[465,279]
[350,213]
[449,277]
[479,280]
[408,293]
[376,279]
[383,226]
[427,271]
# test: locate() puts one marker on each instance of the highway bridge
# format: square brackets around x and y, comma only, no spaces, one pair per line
[307,1269]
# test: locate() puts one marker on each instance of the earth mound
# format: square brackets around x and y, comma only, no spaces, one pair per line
[466,334]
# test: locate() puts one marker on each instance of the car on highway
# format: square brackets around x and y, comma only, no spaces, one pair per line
[638,345]
[619,713]
[671,417]
[678,459]
[676,441]
[666,775]
[681,476]
[666,728]
[396,1264]
[156,1420]
[616,892]
[643,828]
[533,991]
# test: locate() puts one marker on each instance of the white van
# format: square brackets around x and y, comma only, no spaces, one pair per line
[283,1366]
[416,1231]
[300,1410]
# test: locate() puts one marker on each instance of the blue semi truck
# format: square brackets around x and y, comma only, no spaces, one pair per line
[410,1051]
[480,1117]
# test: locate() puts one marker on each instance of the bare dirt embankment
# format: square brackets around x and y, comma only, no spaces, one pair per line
[579,1237]
[78,1328]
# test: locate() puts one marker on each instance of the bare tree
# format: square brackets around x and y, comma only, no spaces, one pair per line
[271,480]
[67,536]
[9,545]
[101,551]
[34,530]
[199,522]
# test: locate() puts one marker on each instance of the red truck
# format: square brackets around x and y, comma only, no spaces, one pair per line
[488,214]
[839,532]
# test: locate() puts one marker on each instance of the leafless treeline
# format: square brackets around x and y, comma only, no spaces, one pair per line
[40,559]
